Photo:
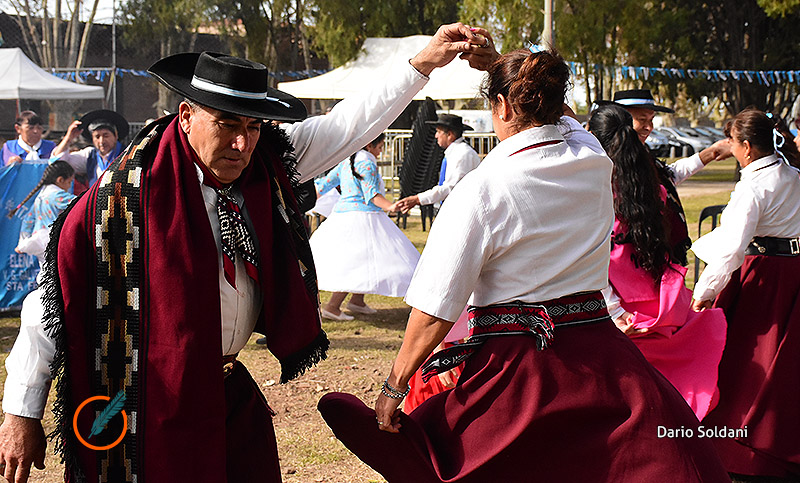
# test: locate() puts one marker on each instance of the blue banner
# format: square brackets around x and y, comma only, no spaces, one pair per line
[17,271]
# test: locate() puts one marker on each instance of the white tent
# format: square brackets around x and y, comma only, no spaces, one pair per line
[20,78]
[454,81]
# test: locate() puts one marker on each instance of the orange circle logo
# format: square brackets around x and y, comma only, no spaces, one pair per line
[86,443]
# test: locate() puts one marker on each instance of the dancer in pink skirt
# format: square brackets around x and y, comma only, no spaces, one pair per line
[647,296]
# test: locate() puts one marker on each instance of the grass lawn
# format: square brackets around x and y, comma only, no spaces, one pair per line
[361,354]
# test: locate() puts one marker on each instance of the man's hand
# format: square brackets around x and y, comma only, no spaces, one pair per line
[716,152]
[407,203]
[73,131]
[14,160]
[22,443]
[701,305]
[475,45]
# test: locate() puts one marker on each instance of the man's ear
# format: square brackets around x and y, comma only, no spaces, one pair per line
[185,114]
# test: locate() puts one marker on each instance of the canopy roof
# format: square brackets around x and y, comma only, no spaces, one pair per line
[454,81]
[20,78]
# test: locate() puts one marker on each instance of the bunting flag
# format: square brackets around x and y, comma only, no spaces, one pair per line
[101,74]
[764,77]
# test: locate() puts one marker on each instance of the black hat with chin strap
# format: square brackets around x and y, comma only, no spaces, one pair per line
[229,84]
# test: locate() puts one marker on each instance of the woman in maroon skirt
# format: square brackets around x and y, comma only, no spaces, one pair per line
[550,390]
[753,274]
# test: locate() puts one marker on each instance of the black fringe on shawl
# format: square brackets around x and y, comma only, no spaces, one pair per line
[53,304]
[280,144]
[296,364]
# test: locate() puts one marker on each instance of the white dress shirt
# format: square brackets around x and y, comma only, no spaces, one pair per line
[351,125]
[685,167]
[765,202]
[529,225]
[461,159]
[79,159]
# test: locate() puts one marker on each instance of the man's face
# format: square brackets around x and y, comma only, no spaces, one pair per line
[29,133]
[642,121]
[444,137]
[224,142]
[104,140]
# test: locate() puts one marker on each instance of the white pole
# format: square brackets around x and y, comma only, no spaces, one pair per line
[114,56]
[548,33]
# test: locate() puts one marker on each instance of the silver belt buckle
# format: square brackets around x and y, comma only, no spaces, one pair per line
[794,246]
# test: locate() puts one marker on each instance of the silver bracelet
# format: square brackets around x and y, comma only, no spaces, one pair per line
[394,393]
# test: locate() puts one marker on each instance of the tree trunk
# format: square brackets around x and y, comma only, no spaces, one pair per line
[74,25]
[57,41]
[85,38]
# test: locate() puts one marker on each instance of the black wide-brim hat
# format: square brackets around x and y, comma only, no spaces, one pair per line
[229,84]
[100,118]
[450,121]
[635,98]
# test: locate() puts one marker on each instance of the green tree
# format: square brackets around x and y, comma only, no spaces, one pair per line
[731,35]
[341,26]
[166,25]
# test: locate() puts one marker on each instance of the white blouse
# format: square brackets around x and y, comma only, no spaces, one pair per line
[765,202]
[529,225]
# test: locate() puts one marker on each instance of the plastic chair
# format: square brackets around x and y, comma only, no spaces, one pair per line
[712,212]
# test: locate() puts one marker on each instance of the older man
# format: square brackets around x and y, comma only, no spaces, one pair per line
[29,145]
[104,129]
[188,243]
[459,159]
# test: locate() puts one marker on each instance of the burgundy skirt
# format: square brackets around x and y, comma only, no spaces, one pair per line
[759,375]
[589,408]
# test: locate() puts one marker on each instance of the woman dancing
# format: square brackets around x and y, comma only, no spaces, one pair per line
[753,274]
[358,249]
[647,296]
[551,390]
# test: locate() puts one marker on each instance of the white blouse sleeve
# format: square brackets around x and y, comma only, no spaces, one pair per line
[723,249]
[322,141]
[457,248]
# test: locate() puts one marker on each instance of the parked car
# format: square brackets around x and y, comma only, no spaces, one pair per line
[659,144]
[715,131]
[709,133]
[675,148]
[689,136]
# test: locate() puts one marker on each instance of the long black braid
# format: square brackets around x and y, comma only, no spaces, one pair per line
[637,201]
[59,169]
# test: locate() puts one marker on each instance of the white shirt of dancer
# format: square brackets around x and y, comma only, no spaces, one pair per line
[351,125]
[765,202]
[527,224]
[461,159]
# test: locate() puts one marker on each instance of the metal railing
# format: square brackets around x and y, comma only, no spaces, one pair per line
[395,144]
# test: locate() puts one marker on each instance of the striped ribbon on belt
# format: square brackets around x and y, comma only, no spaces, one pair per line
[518,318]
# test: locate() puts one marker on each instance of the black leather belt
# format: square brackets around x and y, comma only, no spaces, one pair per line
[768,245]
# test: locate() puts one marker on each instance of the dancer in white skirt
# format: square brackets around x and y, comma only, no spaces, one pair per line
[358,249]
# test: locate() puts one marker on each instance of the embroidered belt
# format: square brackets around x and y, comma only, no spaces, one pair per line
[768,245]
[518,318]
[228,364]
